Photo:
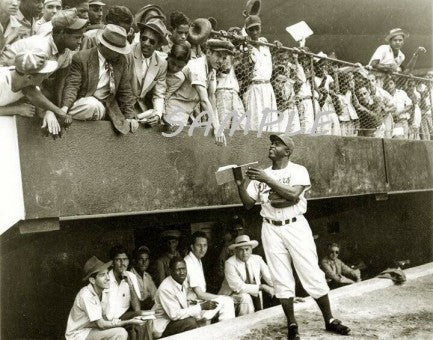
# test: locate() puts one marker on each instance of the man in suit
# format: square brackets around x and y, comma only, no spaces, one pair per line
[148,70]
[97,84]
[337,273]
[244,272]
[172,311]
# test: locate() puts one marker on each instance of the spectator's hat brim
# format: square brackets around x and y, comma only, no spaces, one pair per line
[242,241]
[49,67]
[144,10]
[94,265]
[220,45]
[155,28]
[395,32]
[119,48]
[78,24]
[98,3]
[171,234]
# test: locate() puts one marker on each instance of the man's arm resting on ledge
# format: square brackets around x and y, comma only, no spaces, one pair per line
[38,99]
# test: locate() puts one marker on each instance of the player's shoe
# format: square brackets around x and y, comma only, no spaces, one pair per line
[337,327]
[293,333]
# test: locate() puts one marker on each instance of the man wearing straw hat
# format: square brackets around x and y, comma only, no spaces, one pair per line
[97,84]
[86,318]
[286,235]
[243,276]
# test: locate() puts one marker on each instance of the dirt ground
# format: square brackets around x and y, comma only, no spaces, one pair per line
[399,312]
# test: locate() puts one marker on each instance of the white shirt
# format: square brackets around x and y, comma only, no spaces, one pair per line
[385,55]
[348,111]
[293,174]
[195,275]
[262,60]
[7,96]
[86,309]
[146,63]
[401,101]
[119,296]
[171,304]
[103,87]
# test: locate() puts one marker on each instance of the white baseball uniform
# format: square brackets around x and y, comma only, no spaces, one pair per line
[292,242]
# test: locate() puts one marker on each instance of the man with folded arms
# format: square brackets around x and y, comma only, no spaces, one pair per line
[86,319]
[173,312]
[243,276]
[97,84]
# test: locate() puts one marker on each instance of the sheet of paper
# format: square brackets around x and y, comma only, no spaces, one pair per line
[299,31]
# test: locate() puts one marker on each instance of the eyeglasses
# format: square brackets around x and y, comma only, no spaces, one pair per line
[151,41]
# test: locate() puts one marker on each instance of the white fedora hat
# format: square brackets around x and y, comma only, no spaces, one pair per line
[243,240]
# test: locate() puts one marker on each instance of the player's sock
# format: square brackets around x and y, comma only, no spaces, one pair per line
[287,305]
[325,308]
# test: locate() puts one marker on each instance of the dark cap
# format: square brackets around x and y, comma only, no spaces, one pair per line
[285,139]
[252,20]
[94,265]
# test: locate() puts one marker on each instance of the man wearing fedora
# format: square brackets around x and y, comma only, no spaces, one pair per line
[148,70]
[286,235]
[97,84]
[244,272]
[86,319]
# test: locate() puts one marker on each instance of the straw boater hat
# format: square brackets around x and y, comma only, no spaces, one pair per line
[94,265]
[115,38]
[394,32]
[243,240]
[157,26]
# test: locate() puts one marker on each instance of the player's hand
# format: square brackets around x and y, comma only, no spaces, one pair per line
[25,110]
[208,305]
[50,123]
[420,49]
[153,120]
[267,289]
[258,175]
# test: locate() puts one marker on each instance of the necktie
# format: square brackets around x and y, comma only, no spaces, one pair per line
[248,279]
[110,71]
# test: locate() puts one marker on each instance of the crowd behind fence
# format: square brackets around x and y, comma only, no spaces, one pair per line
[316,94]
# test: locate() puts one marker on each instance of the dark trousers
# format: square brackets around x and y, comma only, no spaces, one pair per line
[179,326]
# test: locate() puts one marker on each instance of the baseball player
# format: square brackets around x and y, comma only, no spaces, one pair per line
[286,234]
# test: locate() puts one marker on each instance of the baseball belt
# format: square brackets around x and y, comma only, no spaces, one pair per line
[280,223]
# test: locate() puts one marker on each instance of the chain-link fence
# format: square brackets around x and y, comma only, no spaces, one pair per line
[275,88]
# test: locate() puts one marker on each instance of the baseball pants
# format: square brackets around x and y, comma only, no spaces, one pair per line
[293,243]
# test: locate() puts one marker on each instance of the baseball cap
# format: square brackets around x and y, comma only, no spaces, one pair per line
[46,2]
[285,139]
[252,20]
[96,2]
[220,45]
[30,62]
[69,19]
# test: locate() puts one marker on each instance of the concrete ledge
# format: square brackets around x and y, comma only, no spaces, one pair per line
[242,325]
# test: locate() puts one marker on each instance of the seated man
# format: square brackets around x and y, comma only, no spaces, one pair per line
[147,286]
[243,276]
[97,83]
[124,294]
[335,269]
[31,68]
[173,312]
[197,282]
[86,318]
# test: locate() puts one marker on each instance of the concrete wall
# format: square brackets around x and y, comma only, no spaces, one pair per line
[41,273]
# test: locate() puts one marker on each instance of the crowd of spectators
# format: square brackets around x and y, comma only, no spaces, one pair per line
[150,69]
